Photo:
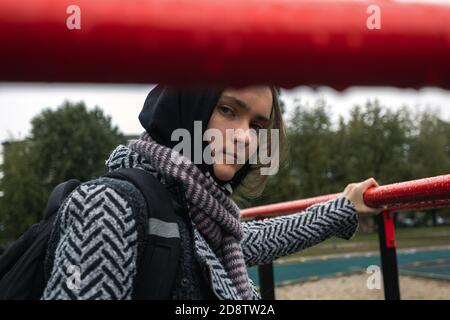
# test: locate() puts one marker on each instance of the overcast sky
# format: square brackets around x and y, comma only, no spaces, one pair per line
[20,102]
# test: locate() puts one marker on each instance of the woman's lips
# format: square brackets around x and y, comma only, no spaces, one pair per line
[235,159]
[232,156]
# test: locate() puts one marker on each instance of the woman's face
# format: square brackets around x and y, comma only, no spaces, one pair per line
[245,108]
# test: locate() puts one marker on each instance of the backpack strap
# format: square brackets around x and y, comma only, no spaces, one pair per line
[58,195]
[22,273]
[157,266]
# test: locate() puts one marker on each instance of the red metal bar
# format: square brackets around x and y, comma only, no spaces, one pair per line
[428,189]
[227,42]
[421,205]
[284,207]
[389,228]
[422,193]
[388,255]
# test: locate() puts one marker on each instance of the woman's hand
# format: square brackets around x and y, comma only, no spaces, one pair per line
[354,192]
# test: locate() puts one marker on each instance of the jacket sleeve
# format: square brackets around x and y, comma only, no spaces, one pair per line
[268,239]
[96,250]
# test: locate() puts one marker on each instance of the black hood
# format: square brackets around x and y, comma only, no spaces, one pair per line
[168,108]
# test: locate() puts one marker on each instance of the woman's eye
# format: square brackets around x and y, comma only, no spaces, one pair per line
[256,126]
[226,110]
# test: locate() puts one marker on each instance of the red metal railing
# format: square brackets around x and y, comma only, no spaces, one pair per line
[425,193]
[230,42]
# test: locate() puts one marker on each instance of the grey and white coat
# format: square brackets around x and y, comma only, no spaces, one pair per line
[96,230]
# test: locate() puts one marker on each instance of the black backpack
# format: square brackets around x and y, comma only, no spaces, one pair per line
[22,267]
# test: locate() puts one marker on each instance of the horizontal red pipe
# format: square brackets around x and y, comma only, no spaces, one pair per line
[428,189]
[421,205]
[283,208]
[423,193]
[231,42]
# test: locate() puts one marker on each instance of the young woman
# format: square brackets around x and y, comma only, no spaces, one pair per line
[97,230]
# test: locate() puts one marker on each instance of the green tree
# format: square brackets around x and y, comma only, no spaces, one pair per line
[68,143]
[430,146]
[20,188]
[72,142]
[375,142]
[310,137]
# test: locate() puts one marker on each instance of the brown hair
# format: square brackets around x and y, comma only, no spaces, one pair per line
[253,185]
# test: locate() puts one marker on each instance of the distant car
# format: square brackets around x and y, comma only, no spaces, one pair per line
[406,222]
[439,221]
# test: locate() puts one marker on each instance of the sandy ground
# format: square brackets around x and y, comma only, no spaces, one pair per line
[353,287]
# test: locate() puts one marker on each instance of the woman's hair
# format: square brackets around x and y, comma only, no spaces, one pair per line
[253,185]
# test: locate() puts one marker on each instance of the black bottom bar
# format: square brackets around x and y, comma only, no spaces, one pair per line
[266,281]
[388,263]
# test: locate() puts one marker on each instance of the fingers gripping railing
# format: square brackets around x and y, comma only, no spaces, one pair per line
[425,193]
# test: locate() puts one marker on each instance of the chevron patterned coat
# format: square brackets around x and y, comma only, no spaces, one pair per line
[96,231]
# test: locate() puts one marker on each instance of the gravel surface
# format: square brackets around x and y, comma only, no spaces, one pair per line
[354,287]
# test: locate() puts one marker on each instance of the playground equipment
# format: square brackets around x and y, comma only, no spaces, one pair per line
[428,193]
[233,42]
[288,43]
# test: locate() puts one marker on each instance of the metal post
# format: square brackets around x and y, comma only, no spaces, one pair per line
[266,281]
[386,234]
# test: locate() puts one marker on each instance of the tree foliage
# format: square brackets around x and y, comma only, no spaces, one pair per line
[68,143]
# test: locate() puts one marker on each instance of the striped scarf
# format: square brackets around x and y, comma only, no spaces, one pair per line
[214,214]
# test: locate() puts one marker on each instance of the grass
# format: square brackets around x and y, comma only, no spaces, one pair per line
[406,238]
